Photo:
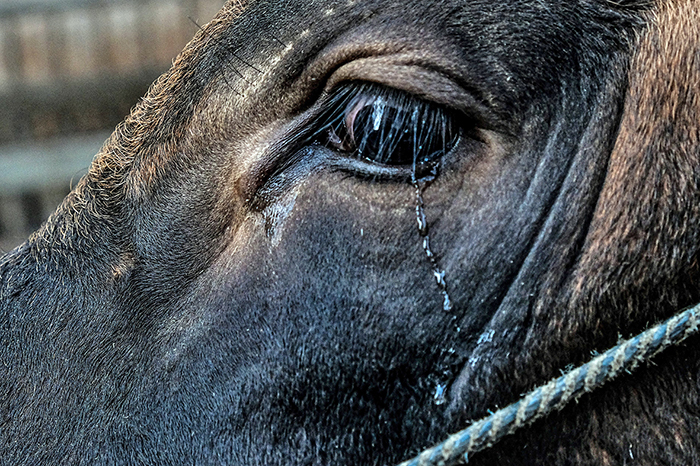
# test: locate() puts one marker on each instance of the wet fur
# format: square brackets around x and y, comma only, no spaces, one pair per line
[153,321]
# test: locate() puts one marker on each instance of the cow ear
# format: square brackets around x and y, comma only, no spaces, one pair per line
[645,232]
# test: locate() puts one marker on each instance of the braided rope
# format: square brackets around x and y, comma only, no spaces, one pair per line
[554,395]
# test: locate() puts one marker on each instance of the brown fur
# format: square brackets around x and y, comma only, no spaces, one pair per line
[205,287]
[649,207]
[638,265]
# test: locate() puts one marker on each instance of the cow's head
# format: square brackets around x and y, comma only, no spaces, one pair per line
[243,277]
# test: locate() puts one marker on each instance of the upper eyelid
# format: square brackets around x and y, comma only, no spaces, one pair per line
[345,92]
[425,81]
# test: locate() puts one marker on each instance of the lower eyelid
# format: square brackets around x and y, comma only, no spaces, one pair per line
[375,171]
[366,169]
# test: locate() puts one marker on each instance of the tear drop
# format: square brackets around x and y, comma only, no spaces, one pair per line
[439,397]
[424,232]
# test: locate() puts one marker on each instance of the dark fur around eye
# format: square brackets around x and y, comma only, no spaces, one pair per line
[387,127]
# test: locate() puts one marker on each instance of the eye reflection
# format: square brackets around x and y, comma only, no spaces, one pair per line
[388,127]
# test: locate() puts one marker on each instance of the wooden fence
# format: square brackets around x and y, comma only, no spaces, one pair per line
[70,70]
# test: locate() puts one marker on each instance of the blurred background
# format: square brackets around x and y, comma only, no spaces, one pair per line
[70,71]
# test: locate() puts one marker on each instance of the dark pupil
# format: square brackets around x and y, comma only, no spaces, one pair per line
[379,138]
[404,132]
[393,128]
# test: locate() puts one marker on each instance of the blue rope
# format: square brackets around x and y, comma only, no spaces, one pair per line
[556,394]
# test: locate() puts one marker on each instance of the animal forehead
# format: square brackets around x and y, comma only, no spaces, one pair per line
[533,39]
[489,20]
[507,53]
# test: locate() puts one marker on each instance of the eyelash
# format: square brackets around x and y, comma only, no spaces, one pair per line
[387,127]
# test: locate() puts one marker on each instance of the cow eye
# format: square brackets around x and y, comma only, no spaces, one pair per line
[387,127]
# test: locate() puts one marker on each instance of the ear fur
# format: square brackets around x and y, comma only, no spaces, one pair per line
[639,260]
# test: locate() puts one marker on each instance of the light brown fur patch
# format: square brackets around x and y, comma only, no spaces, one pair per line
[644,227]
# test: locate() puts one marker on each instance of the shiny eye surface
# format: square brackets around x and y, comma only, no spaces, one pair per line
[388,127]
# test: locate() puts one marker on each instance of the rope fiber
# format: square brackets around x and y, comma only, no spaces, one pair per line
[559,392]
